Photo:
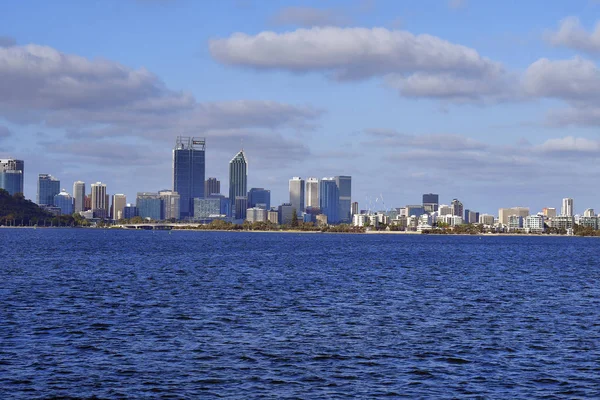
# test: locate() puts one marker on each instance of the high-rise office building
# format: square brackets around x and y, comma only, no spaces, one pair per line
[64,201]
[48,187]
[238,182]
[355,208]
[119,202]
[259,197]
[207,208]
[297,194]
[431,202]
[329,199]
[189,172]
[549,212]
[241,206]
[130,211]
[171,201]
[12,175]
[344,184]
[149,206]
[567,207]
[286,213]
[504,213]
[457,208]
[312,193]
[98,203]
[79,196]
[212,186]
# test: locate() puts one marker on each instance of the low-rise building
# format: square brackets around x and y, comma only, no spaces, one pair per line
[486,219]
[534,224]
[256,214]
[563,222]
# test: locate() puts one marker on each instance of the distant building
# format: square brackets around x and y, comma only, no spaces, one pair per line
[359,219]
[322,220]
[589,222]
[79,196]
[567,207]
[549,212]
[515,223]
[457,208]
[259,197]
[486,219]
[64,201]
[48,187]
[224,203]
[189,171]
[296,187]
[451,220]
[273,216]
[329,198]
[212,186]
[354,208]
[444,210]
[563,222]
[471,217]
[12,175]
[312,193]
[416,210]
[119,201]
[286,212]
[534,224]
[241,205]
[171,203]
[207,208]
[504,213]
[589,213]
[431,202]
[344,184]
[149,206]
[238,184]
[256,214]
[130,211]
[99,203]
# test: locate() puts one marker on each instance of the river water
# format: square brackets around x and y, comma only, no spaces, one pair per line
[90,313]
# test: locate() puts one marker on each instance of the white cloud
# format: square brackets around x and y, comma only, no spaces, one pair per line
[573,35]
[570,144]
[309,16]
[391,138]
[7,41]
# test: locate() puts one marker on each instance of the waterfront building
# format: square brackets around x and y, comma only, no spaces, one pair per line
[486,219]
[212,186]
[64,201]
[549,212]
[259,197]
[590,221]
[296,187]
[400,221]
[119,201]
[534,224]
[471,217]
[224,203]
[273,216]
[354,208]
[286,213]
[329,199]
[241,205]
[48,187]
[565,222]
[344,184]
[416,210]
[171,202]
[515,223]
[255,214]
[98,200]
[450,220]
[130,211]
[589,213]
[12,174]
[149,206]
[312,193]
[444,209]
[504,213]
[431,202]
[207,208]
[359,219]
[457,208]
[79,196]
[238,183]
[189,172]
[567,207]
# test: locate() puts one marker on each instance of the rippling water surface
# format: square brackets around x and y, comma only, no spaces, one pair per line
[113,314]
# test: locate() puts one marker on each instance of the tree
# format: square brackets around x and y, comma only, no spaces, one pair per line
[294,223]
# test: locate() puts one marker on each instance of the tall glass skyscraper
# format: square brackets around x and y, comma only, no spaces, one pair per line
[297,194]
[64,201]
[329,199]
[344,184]
[11,175]
[189,172]
[259,197]
[238,181]
[48,187]
[312,193]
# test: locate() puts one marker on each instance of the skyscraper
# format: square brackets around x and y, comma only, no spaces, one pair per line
[48,187]
[344,184]
[238,180]
[354,208]
[119,202]
[11,175]
[567,207]
[171,201]
[79,196]
[99,204]
[431,202]
[189,171]
[259,197]
[212,186]
[64,201]
[329,199]
[312,193]
[297,194]
[457,208]
[149,206]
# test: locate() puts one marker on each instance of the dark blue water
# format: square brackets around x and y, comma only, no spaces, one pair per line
[114,314]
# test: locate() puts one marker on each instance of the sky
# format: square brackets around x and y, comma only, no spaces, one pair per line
[494,103]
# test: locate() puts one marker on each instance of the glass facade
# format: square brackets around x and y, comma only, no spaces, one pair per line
[344,184]
[12,175]
[329,199]
[238,182]
[431,202]
[259,197]
[48,187]
[212,186]
[149,205]
[297,194]
[189,172]
[130,211]
[241,205]
[64,201]
[207,208]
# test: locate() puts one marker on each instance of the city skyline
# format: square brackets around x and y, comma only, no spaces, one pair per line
[506,116]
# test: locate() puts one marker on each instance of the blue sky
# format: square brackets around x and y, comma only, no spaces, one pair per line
[496,103]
